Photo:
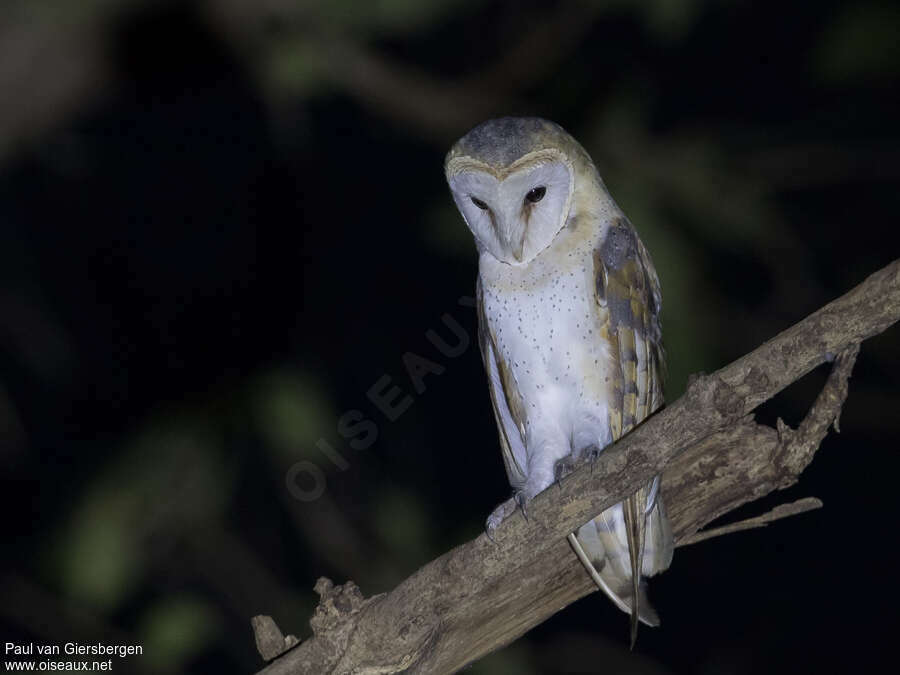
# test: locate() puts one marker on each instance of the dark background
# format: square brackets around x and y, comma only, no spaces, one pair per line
[223,221]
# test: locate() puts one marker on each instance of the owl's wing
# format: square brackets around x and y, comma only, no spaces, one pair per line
[509,409]
[627,288]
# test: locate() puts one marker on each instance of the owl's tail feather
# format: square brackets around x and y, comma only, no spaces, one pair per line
[603,546]
[646,613]
[635,529]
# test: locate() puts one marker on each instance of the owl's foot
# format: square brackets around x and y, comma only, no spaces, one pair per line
[563,468]
[504,511]
[593,453]
[498,515]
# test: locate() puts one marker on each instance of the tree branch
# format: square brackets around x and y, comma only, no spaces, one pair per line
[713,456]
[779,512]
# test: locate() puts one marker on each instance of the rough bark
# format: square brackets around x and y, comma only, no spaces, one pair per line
[713,456]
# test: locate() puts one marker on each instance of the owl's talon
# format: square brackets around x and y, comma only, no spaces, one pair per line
[521,501]
[592,456]
[498,515]
[562,468]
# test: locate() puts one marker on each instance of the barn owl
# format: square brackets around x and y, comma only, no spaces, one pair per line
[568,312]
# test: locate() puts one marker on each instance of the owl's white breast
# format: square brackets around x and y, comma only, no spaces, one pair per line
[546,325]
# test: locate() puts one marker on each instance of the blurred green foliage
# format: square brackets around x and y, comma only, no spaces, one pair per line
[385,17]
[176,629]
[169,481]
[290,411]
[860,42]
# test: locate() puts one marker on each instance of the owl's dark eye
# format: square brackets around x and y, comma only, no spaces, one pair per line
[480,204]
[536,194]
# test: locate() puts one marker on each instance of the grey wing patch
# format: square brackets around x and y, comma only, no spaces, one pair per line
[505,399]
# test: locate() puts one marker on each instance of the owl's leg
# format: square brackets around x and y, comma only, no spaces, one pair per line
[591,432]
[589,426]
[540,474]
[593,452]
[563,468]
[552,458]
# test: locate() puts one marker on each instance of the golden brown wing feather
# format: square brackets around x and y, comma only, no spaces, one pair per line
[628,290]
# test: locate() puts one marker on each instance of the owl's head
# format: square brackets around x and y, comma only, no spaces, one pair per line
[512,180]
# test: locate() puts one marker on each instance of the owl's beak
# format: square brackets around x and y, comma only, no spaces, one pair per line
[512,234]
[515,242]
[519,248]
